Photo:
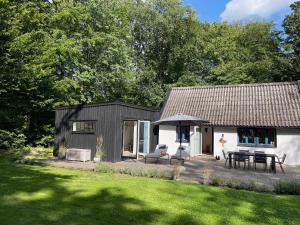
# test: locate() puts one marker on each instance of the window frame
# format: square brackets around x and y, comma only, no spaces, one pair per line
[84,131]
[178,131]
[267,134]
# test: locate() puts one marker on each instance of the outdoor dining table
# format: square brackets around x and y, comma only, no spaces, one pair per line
[272,156]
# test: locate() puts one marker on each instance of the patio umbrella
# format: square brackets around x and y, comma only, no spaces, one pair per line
[180,120]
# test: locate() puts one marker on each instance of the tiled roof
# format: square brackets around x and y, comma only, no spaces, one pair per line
[259,105]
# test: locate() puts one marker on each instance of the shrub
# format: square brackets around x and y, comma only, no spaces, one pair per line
[249,185]
[11,139]
[105,168]
[146,172]
[291,187]
[136,171]
[47,137]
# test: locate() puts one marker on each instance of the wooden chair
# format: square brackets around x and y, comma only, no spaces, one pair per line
[260,157]
[280,161]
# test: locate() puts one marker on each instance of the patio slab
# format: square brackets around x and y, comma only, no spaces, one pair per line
[198,170]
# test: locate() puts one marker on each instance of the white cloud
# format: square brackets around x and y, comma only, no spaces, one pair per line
[239,10]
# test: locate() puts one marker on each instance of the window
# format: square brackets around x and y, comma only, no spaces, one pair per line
[261,137]
[185,134]
[83,126]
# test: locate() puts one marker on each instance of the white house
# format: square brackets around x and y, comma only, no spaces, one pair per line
[252,116]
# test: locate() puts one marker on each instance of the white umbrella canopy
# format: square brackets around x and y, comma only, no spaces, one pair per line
[184,120]
[180,120]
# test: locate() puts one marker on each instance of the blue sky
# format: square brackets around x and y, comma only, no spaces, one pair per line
[241,10]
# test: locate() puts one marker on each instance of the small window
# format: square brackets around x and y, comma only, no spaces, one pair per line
[185,134]
[257,137]
[83,126]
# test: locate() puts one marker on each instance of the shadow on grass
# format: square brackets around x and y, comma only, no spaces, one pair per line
[216,205]
[33,195]
[19,203]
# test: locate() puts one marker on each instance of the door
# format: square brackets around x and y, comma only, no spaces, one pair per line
[197,142]
[144,137]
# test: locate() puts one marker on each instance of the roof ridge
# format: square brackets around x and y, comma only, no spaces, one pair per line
[238,85]
[118,102]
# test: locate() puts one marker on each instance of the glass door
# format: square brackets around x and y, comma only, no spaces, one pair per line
[144,137]
[197,142]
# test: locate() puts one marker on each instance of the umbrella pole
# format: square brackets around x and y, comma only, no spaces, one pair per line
[180,139]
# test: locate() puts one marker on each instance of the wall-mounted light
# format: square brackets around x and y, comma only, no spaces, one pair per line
[206,129]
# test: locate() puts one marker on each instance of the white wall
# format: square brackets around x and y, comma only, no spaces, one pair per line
[288,141]
[167,135]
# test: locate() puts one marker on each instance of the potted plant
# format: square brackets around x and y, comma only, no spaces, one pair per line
[99,149]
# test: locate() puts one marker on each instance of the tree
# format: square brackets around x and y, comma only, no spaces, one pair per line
[291,25]
[242,53]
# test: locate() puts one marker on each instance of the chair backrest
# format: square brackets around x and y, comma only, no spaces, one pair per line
[259,152]
[283,158]
[243,150]
[259,155]
[159,148]
[184,151]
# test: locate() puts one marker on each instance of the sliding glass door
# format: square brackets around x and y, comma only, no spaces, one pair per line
[144,137]
[136,138]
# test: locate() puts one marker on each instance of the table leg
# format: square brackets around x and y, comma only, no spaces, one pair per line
[273,166]
[230,160]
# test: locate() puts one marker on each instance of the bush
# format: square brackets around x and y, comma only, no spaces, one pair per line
[147,172]
[105,168]
[137,171]
[291,187]
[11,139]
[47,138]
[249,185]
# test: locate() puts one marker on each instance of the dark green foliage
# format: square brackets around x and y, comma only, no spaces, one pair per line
[291,187]
[291,26]
[55,53]
[11,140]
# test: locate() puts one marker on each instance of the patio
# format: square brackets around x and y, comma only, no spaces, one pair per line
[197,170]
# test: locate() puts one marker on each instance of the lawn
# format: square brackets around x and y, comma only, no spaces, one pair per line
[42,195]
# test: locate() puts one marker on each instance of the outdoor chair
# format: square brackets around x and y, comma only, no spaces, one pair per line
[226,157]
[182,154]
[260,157]
[280,161]
[241,157]
[159,152]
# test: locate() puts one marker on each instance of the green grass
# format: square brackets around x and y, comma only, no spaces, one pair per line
[42,195]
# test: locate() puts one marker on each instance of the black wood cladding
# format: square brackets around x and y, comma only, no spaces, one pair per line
[108,119]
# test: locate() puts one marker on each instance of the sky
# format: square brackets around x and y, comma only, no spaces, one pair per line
[241,10]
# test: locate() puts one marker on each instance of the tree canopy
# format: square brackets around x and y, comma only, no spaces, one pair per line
[66,52]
